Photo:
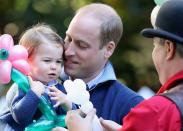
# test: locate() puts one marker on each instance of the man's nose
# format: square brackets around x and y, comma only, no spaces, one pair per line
[70,49]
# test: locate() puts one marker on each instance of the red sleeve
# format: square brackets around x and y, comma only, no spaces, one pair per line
[155,114]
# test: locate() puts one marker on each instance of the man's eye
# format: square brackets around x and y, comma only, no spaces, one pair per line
[82,45]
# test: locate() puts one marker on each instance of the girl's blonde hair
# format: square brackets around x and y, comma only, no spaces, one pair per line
[39,34]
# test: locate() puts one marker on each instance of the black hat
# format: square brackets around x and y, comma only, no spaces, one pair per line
[169,22]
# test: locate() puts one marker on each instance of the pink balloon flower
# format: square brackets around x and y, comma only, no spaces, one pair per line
[11,57]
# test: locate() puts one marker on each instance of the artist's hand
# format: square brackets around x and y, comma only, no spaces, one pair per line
[37,87]
[109,125]
[75,121]
[60,98]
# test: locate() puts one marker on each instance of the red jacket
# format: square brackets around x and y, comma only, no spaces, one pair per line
[155,114]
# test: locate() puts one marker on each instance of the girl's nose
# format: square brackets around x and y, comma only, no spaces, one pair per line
[53,66]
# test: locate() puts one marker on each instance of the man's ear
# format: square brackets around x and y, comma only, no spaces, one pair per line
[109,49]
[170,49]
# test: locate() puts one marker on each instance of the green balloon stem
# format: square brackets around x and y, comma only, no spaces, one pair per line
[47,109]
[46,125]
[159,2]
[60,121]
[20,79]
[43,125]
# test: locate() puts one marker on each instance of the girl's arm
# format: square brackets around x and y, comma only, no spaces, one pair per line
[24,105]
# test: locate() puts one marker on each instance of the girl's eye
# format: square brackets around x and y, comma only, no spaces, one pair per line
[59,61]
[46,60]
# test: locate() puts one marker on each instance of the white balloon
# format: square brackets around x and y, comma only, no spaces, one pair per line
[79,97]
[154,15]
[68,85]
[77,93]
[87,107]
[80,84]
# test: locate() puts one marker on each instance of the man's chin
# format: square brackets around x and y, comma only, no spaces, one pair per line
[70,73]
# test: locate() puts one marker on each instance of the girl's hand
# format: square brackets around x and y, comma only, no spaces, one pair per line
[60,98]
[37,87]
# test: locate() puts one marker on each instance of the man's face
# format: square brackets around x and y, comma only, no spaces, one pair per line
[84,58]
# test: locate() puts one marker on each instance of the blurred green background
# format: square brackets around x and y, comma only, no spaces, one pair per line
[132,58]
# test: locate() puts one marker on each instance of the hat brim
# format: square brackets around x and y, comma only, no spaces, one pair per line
[150,33]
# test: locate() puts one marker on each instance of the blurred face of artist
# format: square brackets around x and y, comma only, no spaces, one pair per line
[84,56]
[46,62]
[159,58]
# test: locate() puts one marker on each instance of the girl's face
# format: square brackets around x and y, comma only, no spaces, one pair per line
[46,62]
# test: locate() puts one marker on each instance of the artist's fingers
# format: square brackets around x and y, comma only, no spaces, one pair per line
[90,116]
[72,114]
[59,129]
[109,125]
